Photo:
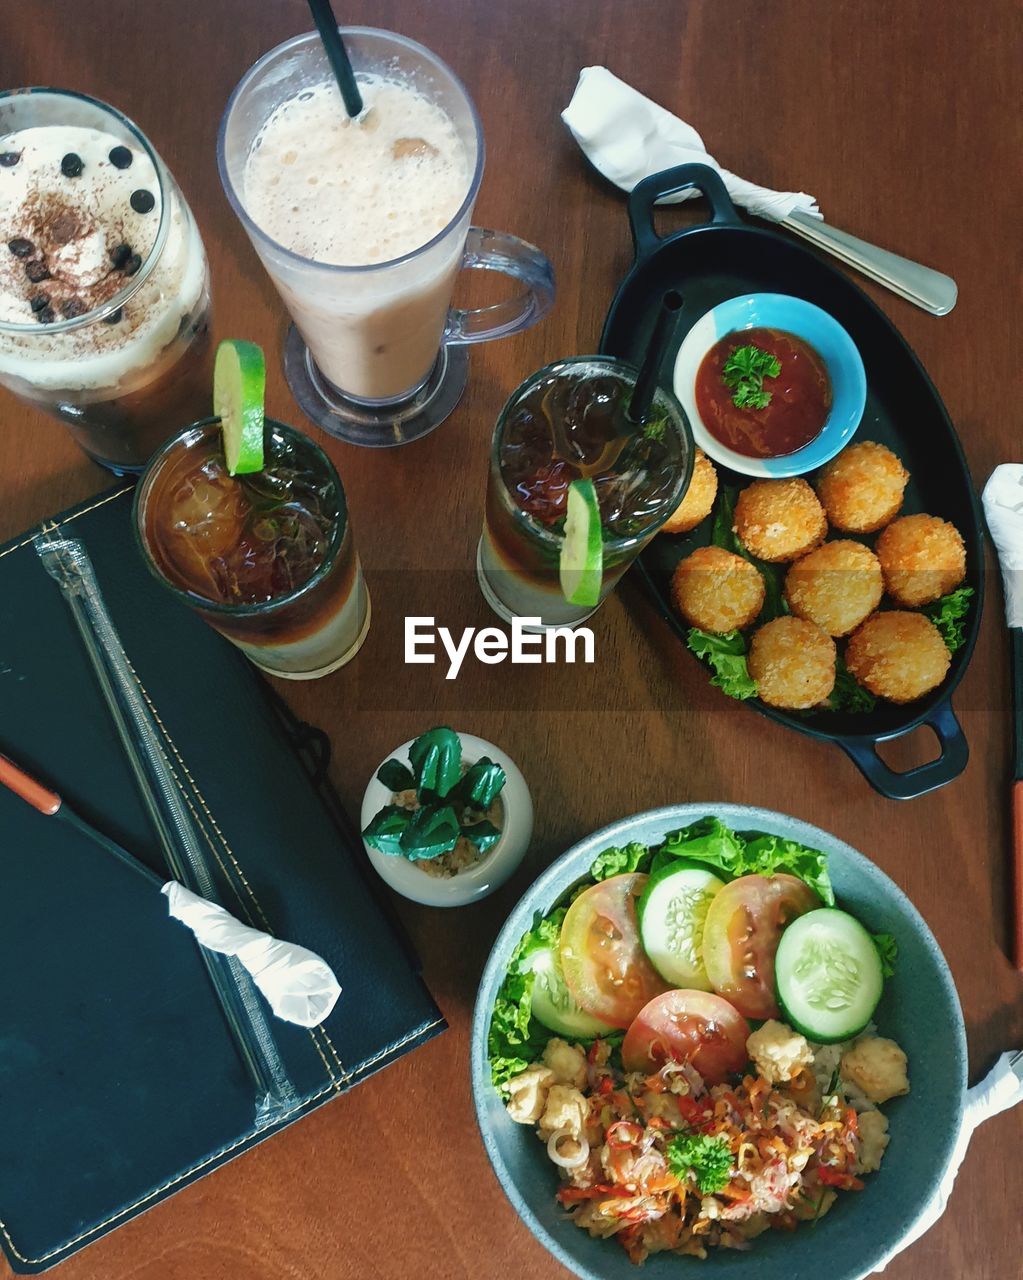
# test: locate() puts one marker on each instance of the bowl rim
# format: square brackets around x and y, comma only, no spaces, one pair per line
[739,817]
[810,456]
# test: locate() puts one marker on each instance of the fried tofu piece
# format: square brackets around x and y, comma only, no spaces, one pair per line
[863,487]
[877,1067]
[899,656]
[716,590]
[779,520]
[793,663]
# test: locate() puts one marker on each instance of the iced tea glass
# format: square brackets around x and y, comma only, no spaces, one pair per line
[377,354]
[268,559]
[123,372]
[566,422]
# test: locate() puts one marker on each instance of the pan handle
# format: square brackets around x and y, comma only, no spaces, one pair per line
[925,777]
[668,183]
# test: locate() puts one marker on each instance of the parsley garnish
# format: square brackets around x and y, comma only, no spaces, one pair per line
[708,1159]
[744,374]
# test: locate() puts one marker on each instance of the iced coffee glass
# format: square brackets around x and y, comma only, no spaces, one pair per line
[104,287]
[377,354]
[267,559]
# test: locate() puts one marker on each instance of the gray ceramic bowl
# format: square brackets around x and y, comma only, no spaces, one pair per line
[920,1010]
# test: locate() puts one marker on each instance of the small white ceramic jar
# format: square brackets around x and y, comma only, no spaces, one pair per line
[483,877]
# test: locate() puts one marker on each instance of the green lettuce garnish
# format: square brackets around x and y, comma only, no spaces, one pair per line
[888,950]
[708,1159]
[516,1039]
[726,655]
[736,854]
[847,695]
[949,615]
[620,861]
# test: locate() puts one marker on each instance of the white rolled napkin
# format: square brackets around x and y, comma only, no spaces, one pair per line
[1003,508]
[627,138]
[1000,1089]
[298,985]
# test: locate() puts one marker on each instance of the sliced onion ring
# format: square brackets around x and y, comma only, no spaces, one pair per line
[568,1162]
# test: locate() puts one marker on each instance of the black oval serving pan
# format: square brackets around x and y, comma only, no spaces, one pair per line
[722,259]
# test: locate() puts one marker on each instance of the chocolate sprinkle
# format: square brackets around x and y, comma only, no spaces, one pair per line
[114,316]
[142,201]
[20,247]
[8,159]
[71,166]
[120,255]
[120,157]
[38,301]
[37,270]
[72,308]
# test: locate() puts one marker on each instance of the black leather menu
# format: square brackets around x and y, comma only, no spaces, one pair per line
[119,1083]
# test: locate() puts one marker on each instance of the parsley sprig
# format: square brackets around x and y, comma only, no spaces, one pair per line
[708,1159]
[744,373]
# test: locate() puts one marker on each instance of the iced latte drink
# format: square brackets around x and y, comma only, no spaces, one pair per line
[104,288]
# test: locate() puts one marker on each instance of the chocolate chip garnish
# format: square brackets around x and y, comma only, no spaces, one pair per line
[37,270]
[72,308]
[20,247]
[133,264]
[114,316]
[120,157]
[142,201]
[38,301]
[8,159]
[46,316]
[120,255]
[71,166]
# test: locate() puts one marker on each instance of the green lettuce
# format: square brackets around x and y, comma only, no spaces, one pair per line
[847,695]
[516,1039]
[726,656]
[888,950]
[723,534]
[949,615]
[619,861]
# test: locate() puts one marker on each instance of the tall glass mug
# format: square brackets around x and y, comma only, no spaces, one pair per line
[364,230]
[104,287]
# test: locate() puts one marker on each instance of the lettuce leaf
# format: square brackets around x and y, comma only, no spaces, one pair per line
[516,1039]
[949,615]
[726,656]
[619,861]
[709,841]
[847,695]
[766,855]
[723,534]
[888,950]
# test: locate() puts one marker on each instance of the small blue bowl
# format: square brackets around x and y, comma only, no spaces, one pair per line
[919,1009]
[814,326]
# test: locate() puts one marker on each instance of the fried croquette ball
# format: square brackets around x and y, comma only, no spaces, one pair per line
[793,663]
[836,586]
[699,497]
[898,656]
[922,558]
[716,590]
[779,519]
[862,487]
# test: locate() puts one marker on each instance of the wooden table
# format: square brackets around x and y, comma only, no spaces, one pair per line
[902,118]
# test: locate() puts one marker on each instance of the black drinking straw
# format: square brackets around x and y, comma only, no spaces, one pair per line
[337,54]
[646,383]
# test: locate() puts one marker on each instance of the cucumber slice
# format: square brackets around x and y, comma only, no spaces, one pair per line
[582,551]
[239,389]
[671,913]
[552,1002]
[828,975]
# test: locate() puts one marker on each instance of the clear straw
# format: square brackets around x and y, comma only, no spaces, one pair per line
[68,563]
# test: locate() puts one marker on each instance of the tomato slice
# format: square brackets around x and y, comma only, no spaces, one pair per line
[602,958]
[740,937]
[697,1027]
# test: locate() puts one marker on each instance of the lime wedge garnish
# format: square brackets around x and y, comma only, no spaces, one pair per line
[239,388]
[582,552]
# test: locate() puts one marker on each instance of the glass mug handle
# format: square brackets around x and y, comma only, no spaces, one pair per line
[499,251]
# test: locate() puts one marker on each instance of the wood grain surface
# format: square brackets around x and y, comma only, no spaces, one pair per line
[902,118]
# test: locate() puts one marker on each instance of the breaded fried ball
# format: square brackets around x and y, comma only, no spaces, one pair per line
[898,656]
[779,519]
[862,487]
[716,590]
[793,663]
[699,497]
[922,558]
[836,586]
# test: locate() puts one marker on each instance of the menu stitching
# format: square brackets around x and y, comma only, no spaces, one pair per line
[25,542]
[216,1155]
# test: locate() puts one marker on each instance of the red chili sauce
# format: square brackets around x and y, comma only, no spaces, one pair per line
[800,396]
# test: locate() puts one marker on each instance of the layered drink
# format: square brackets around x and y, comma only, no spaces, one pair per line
[570,422]
[104,287]
[267,558]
